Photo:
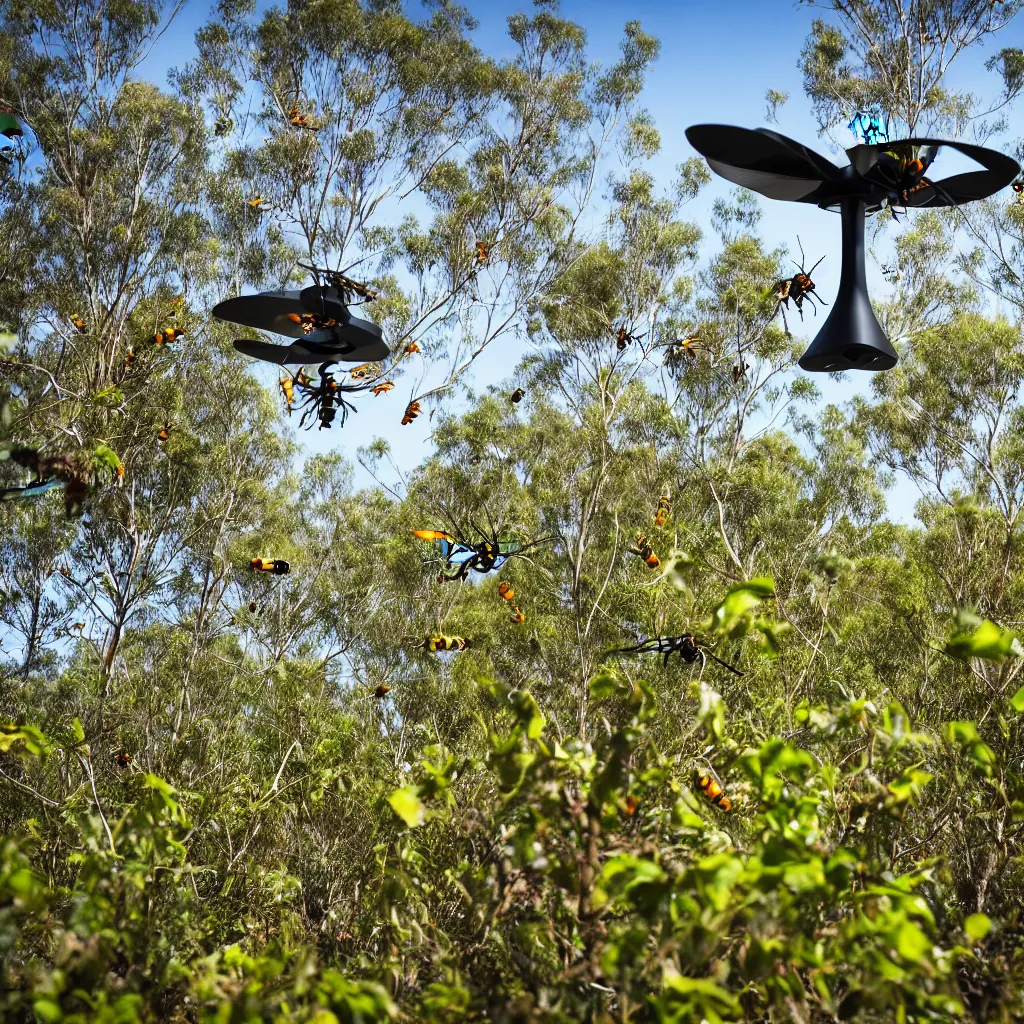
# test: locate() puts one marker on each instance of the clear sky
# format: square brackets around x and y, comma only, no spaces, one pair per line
[718,57]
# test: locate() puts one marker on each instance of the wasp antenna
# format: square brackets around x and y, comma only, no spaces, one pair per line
[815,267]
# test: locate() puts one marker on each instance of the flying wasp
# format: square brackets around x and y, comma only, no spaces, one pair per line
[287,386]
[646,552]
[624,337]
[901,169]
[685,646]
[664,507]
[505,590]
[459,555]
[684,348]
[382,691]
[411,412]
[712,788]
[166,336]
[277,566]
[383,387]
[1018,187]
[364,372]
[346,287]
[162,436]
[311,322]
[412,348]
[517,396]
[799,288]
[300,120]
[482,252]
[433,644]
[517,615]
[78,323]
[257,202]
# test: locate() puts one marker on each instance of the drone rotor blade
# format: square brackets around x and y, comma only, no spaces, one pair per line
[764,161]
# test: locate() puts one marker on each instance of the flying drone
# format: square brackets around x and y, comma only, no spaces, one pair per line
[317,318]
[881,174]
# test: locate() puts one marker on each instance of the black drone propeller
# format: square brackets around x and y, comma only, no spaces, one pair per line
[782,168]
[316,317]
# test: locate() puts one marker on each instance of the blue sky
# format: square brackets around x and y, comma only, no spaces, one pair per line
[717,60]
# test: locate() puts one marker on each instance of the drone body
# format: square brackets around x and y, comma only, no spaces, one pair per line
[879,175]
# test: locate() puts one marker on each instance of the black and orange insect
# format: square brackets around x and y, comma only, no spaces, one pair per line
[323,399]
[277,566]
[257,202]
[441,643]
[129,359]
[482,252]
[162,436]
[712,788]
[624,337]
[505,590]
[298,119]
[1018,187]
[364,371]
[685,646]
[631,804]
[684,348]
[739,370]
[646,552]
[167,335]
[517,396]
[123,759]
[78,323]
[517,616]
[382,691]
[412,348]
[459,555]
[311,322]
[799,288]
[252,606]
[900,169]
[664,507]
[411,412]
[345,286]
[383,387]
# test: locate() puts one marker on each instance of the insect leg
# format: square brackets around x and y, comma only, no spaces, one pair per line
[724,664]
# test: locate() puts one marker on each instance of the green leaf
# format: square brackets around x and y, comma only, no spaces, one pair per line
[605,685]
[739,600]
[528,713]
[977,926]
[407,804]
[47,1010]
[911,942]
[988,641]
[1017,701]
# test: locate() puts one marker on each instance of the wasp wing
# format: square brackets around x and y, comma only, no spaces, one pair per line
[433,535]
[31,491]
